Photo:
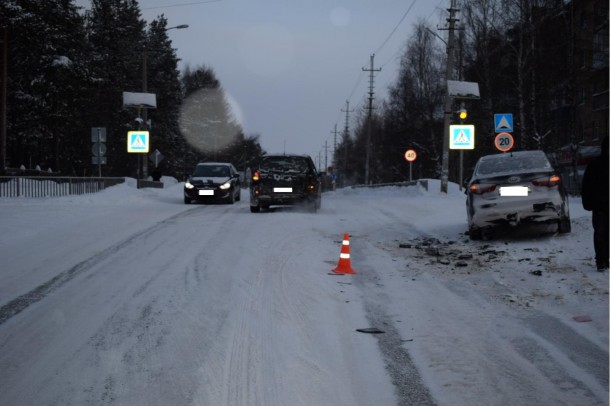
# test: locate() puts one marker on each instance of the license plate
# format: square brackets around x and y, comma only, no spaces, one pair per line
[514,191]
[282,190]
[206,193]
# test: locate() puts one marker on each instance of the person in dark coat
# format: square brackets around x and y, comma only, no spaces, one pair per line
[595,199]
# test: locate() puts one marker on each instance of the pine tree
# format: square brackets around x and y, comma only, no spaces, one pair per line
[206,115]
[116,35]
[45,81]
[164,81]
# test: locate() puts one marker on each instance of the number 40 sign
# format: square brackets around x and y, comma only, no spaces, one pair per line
[504,142]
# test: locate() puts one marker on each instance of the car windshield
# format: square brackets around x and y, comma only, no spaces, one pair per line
[213,171]
[285,164]
[513,163]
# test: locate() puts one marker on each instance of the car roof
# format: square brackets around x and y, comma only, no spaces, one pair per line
[509,163]
[213,163]
[514,154]
[286,155]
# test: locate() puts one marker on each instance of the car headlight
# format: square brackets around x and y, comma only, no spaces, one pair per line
[225,185]
[188,185]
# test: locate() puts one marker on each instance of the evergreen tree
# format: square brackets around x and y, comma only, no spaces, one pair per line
[116,36]
[45,82]
[209,129]
[164,81]
[412,117]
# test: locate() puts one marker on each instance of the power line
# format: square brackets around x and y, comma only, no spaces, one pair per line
[396,27]
[361,76]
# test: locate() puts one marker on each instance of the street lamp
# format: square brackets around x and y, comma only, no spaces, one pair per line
[3,100]
[145,90]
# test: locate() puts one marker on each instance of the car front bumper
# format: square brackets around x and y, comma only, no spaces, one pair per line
[207,195]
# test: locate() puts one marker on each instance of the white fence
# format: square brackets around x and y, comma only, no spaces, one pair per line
[47,186]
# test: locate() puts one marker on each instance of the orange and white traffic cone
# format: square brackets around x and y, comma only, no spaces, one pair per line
[344,266]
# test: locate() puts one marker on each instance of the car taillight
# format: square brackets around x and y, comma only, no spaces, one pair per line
[255,176]
[479,189]
[550,181]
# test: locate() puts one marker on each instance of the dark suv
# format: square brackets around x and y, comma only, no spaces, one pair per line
[280,180]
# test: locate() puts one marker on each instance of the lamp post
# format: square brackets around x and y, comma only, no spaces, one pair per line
[145,90]
[448,99]
[4,99]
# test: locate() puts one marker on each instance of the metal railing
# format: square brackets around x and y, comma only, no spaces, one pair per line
[421,182]
[49,186]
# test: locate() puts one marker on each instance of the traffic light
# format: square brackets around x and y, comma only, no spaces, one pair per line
[462,113]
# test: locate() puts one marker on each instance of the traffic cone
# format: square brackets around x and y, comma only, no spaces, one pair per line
[344,266]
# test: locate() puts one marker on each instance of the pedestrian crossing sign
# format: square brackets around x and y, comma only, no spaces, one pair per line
[137,142]
[461,136]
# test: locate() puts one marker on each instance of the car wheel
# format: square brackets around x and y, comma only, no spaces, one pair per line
[231,198]
[187,200]
[255,209]
[563,225]
[312,206]
[475,233]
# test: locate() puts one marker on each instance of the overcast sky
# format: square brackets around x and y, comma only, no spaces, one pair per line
[290,65]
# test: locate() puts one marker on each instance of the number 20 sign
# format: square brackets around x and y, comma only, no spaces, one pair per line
[504,142]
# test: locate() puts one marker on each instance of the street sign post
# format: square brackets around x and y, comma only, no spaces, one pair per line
[137,142]
[461,136]
[410,156]
[98,138]
[156,157]
[504,142]
[503,122]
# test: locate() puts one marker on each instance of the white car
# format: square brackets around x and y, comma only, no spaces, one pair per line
[513,188]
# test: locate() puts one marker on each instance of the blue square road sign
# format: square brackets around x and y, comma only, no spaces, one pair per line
[503,123]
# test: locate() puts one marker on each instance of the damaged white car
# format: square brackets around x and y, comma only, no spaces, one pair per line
[514,188]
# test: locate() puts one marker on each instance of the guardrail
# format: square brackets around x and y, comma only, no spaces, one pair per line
[48,186]
[422,182]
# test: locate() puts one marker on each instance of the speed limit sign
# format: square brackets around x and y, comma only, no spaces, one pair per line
[504,142]
[410,155]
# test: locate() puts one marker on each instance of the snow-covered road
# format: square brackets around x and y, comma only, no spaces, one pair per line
[129,297]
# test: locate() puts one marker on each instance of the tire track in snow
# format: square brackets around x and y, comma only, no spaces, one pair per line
[35,295]
[410,388]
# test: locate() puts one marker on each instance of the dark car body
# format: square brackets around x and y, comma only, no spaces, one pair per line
[279,180]
[514,188]
[213,182]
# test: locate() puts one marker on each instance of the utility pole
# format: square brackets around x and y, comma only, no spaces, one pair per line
[335,141]
[371,71]
[325,156]
[448,99]
[334,132]
[144,158]
[347,111]
[345,138]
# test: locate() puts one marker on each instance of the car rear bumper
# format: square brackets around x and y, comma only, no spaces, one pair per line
[280,199]
[515,210]
[263,197]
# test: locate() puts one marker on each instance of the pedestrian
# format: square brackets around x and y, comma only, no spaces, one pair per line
[595,199]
